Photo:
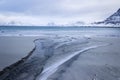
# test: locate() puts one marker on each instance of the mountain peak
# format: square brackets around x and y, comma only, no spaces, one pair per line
[118,10]
[113,19]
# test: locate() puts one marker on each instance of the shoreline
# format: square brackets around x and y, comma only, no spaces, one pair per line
[81,26]
[50,49]
[13,48]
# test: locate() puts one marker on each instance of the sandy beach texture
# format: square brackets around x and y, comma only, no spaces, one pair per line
[13,48]
[64,57]
[101,63]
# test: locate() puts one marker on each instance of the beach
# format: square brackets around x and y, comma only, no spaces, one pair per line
[62,55]
[13,48]
[101,63]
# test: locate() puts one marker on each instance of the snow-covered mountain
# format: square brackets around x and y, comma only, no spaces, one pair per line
[113,20]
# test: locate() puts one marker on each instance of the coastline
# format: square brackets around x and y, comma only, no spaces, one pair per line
[13,48]
[51,49]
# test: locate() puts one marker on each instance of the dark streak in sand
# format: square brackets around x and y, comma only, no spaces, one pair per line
[13,71]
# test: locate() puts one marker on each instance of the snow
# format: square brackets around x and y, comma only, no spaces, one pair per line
[112,21]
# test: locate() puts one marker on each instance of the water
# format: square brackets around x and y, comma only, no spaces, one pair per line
[53,28]
[36,30]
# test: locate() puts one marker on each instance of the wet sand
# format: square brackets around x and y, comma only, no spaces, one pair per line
[69,57]
[13,48]
[101,63]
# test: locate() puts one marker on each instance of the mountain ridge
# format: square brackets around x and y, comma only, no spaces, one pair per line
[114,19]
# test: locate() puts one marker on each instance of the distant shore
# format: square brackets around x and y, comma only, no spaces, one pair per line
[84,26]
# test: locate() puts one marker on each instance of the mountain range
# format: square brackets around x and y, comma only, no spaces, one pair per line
[113,20]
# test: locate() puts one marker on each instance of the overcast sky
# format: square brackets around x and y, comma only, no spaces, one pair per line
[57,10]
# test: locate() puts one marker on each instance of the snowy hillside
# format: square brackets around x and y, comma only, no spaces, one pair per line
[113,20]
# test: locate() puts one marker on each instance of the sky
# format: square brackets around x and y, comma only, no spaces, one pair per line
[58,11]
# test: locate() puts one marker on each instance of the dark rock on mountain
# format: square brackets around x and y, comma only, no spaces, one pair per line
[113,19]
